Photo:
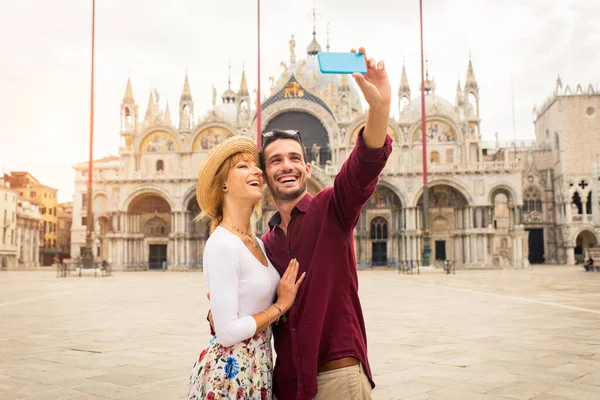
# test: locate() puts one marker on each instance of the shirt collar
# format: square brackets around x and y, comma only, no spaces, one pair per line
[302,206]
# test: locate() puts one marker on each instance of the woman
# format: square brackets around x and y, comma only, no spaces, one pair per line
[238,364]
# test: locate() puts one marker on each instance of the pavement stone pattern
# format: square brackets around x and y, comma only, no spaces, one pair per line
[499,334]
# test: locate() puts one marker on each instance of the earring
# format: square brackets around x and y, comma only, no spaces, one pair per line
[224,188]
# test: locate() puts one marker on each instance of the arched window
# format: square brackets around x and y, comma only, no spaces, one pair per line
[160,165]
[156,227]
[379,229]
[533,201]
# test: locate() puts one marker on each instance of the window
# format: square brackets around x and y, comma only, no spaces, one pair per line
[33,194]
[13,216]
[379,228]
[532,201]
[54,210]
[435,157]
[12,237]
[84,221]
[160,165]
[45,195]
[84,199]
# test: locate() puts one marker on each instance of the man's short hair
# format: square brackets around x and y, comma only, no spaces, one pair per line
[277,134]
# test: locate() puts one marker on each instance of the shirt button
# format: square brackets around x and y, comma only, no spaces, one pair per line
[289,252]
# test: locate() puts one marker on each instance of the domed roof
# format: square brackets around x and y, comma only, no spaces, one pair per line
[434,105]
[309,75]
[313,48]
[228,95]
[227,112]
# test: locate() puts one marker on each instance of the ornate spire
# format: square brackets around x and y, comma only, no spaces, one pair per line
[404,90]
[151,110]
[429,84]
[167,116]
[243,86]
[128,98]
[314,47]
[471,82]
[186,94]
[229,95]
[460,99]
[327,46]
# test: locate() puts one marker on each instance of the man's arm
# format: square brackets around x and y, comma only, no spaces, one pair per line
[375,86]
[358,177]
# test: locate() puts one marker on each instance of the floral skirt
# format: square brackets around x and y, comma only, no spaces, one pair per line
[241,371]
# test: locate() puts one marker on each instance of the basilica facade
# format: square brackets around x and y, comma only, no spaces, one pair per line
[484,201]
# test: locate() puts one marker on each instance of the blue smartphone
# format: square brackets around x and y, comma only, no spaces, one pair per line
[342,63]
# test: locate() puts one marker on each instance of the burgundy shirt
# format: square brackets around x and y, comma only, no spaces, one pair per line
[326,321]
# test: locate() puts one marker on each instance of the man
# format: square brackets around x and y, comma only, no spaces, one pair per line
[322,345]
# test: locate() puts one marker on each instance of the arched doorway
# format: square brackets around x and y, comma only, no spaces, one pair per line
[314,134]
[584,241]
[379,236]
[448,216]
[378,233]
[150,214]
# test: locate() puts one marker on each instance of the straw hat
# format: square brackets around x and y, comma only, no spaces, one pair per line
[208,170]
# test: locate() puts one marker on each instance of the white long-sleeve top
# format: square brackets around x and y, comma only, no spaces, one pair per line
[239,285]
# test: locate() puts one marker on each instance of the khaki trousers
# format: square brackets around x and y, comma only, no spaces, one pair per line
[350,383]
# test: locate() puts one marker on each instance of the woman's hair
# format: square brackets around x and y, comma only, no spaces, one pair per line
[216,194]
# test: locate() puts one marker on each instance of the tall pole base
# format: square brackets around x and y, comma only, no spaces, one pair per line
[426,256]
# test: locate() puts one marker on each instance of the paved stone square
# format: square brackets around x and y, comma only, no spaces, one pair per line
[504,334]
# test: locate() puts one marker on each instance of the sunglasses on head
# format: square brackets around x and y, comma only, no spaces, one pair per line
[280,133]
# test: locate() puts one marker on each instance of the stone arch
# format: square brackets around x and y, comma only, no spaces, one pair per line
[507,189]
[126,203]
[100,202]
[586,231]
[441,181]
[304,106]
[384,183]
[354,127]
[584,239]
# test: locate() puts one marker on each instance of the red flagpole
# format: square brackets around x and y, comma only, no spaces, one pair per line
[425,207]
[88,256]
[423,124]
[258,105]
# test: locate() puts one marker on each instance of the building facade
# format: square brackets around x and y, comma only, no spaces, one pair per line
[562,174]
[29,188]
[144,199]
[8,225]
[29,234]
[65,221]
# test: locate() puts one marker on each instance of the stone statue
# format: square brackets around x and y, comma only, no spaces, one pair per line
[292,50]
[214,96]
[316,156]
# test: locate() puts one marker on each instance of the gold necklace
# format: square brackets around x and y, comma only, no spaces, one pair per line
[252,238]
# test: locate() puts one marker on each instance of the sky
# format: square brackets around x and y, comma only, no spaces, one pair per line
[46,46]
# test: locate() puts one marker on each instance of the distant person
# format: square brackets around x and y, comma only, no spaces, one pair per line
[589,265]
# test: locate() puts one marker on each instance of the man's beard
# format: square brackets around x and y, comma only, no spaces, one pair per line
[286,196]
